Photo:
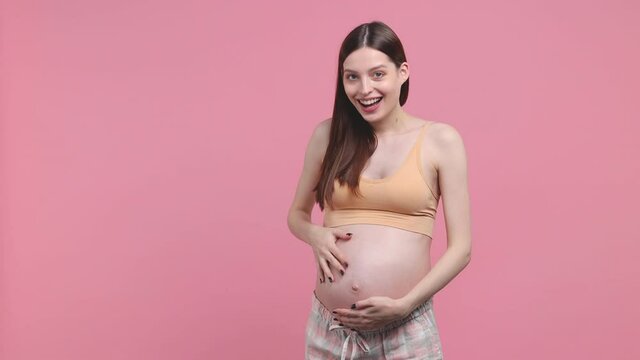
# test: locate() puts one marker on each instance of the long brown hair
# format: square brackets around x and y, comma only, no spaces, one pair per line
[352,140]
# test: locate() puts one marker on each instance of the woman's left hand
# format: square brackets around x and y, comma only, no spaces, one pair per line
[372,313]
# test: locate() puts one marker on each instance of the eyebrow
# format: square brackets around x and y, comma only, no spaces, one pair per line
[373,68]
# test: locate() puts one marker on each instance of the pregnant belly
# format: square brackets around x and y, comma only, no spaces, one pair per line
[383,261]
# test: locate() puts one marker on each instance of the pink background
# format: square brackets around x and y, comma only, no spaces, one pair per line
[150,151]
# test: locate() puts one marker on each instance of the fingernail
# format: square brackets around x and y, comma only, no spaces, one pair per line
[353,306]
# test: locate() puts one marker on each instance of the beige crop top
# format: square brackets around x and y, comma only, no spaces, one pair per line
[403,200]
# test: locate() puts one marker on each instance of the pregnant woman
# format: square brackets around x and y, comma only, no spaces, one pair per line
[378,173]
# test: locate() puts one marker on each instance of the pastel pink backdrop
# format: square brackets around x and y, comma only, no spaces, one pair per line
[150,151]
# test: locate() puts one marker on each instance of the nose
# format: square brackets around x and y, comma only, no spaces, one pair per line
[366,86]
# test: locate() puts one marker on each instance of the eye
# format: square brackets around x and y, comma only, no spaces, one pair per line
[349,76]
[379,72]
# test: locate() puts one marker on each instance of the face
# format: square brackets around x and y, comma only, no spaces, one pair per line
[369,75]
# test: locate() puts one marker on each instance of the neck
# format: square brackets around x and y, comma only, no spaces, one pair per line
[396,123]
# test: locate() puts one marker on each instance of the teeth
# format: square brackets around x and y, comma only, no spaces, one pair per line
[370,101]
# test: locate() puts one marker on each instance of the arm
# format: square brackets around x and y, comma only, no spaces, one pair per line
[299,216]
[452,177]
[321,239]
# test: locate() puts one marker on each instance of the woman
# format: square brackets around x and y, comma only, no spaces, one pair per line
[377,173]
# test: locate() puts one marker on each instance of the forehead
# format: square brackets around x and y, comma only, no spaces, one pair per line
[365,58]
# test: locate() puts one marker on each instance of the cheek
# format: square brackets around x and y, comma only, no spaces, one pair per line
[391,91]
[389,88]
[350,90]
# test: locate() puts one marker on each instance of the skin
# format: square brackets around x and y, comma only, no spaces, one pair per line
[445,167]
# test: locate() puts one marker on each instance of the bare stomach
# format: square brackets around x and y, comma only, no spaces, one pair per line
[383,261]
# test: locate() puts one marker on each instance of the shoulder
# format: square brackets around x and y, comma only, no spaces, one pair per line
[444,134]
[321,132]
[323,128]
[319,140]
[445,141]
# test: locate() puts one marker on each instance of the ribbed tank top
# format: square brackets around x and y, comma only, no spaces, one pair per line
[403,199]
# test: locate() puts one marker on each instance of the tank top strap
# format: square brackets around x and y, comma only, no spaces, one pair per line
[421,135]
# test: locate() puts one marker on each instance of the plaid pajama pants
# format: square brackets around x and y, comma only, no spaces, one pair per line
[414,337]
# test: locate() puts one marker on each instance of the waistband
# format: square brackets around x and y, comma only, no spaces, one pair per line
[319,308]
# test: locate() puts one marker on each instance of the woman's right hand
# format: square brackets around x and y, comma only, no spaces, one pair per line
[323,242]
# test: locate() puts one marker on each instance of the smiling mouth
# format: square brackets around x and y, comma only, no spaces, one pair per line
[370,102]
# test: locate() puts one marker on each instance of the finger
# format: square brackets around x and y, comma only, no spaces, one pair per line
[339,255]
[320,272]
[350,322]
[362,304]
[348,313]
[335,263]
[360,322]
[327,271]
[350,316]
[341,234]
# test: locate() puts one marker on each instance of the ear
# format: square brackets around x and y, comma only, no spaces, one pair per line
[403,71]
